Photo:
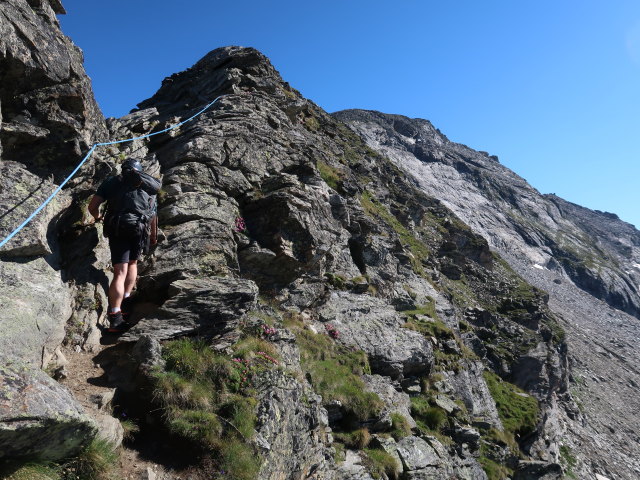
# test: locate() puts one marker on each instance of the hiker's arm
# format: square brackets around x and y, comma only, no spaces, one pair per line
[149,184]
[94,207]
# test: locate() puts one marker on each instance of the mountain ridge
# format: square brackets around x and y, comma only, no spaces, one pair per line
[343,266]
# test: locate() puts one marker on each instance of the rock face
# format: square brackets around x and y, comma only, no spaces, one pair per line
[581,257]
[49,116]
[198,306]
[48,119]
[374,327]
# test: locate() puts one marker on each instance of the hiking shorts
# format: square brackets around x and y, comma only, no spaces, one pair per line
[124,250]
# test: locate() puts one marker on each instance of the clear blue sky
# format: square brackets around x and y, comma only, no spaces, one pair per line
[551,87]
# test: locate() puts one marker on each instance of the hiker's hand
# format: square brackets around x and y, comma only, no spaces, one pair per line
[98,219]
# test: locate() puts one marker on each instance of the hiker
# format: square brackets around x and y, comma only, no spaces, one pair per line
[130,224]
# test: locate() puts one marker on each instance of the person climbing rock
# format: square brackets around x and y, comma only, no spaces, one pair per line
[130,224]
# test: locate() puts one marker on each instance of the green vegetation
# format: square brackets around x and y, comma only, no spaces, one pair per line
[400,427]
[430,328]
[336,281]
[518,410]
[339,452]
[208,401]
[97,461]
[418,249]
[332,176]
[428,417]
[335,372]
[569,461]
[130,428]
[428,309]
[34,471]
[494,470]
[379,462]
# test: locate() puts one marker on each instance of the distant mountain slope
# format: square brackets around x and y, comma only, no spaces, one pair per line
[587,261]
[596,250]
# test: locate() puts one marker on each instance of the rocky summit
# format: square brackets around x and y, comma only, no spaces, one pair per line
[346,296]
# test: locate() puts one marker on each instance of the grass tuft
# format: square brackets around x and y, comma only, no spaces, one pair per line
[426,415]
[332,176]
[208,399]
[400,427]
[335,372]
[381,464]
[518,410]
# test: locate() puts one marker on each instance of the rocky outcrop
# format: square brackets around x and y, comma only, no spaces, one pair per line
[373,326]
[266,189]
[49,115]
[198,306]
[588,246]
[292,432]
[38,417]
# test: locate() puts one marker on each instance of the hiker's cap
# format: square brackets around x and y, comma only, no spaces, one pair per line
[131,164]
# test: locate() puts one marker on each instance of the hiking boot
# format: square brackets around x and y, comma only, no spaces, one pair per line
[126,304]
[116,323]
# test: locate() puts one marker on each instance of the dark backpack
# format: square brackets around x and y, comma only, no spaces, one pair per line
[131,209]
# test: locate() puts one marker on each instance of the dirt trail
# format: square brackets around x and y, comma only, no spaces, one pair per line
[87,381]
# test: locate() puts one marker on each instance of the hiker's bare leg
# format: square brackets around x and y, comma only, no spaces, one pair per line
[116,289]
[132,274]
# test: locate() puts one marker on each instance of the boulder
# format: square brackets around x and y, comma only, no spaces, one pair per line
[38,417]
[536,470]
[373,326]
[206,306]
[352,468]
[109,429]
[395,401]
[417,454]
[34,307]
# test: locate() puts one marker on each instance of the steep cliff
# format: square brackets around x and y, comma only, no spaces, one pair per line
[311,311]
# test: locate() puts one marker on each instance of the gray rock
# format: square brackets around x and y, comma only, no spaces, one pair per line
[109,429]
[148,353]
[23,192]
[39,417]
[394,401]
[446,404]
[50,117]
[417,454]
[208,306]
[373,326]
[468,384]
[291,423]
[468,435]
[102,401]
[352,468]
[534,470]
[35,304]
[389,445]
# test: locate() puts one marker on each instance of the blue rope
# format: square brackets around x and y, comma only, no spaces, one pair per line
[46,202]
